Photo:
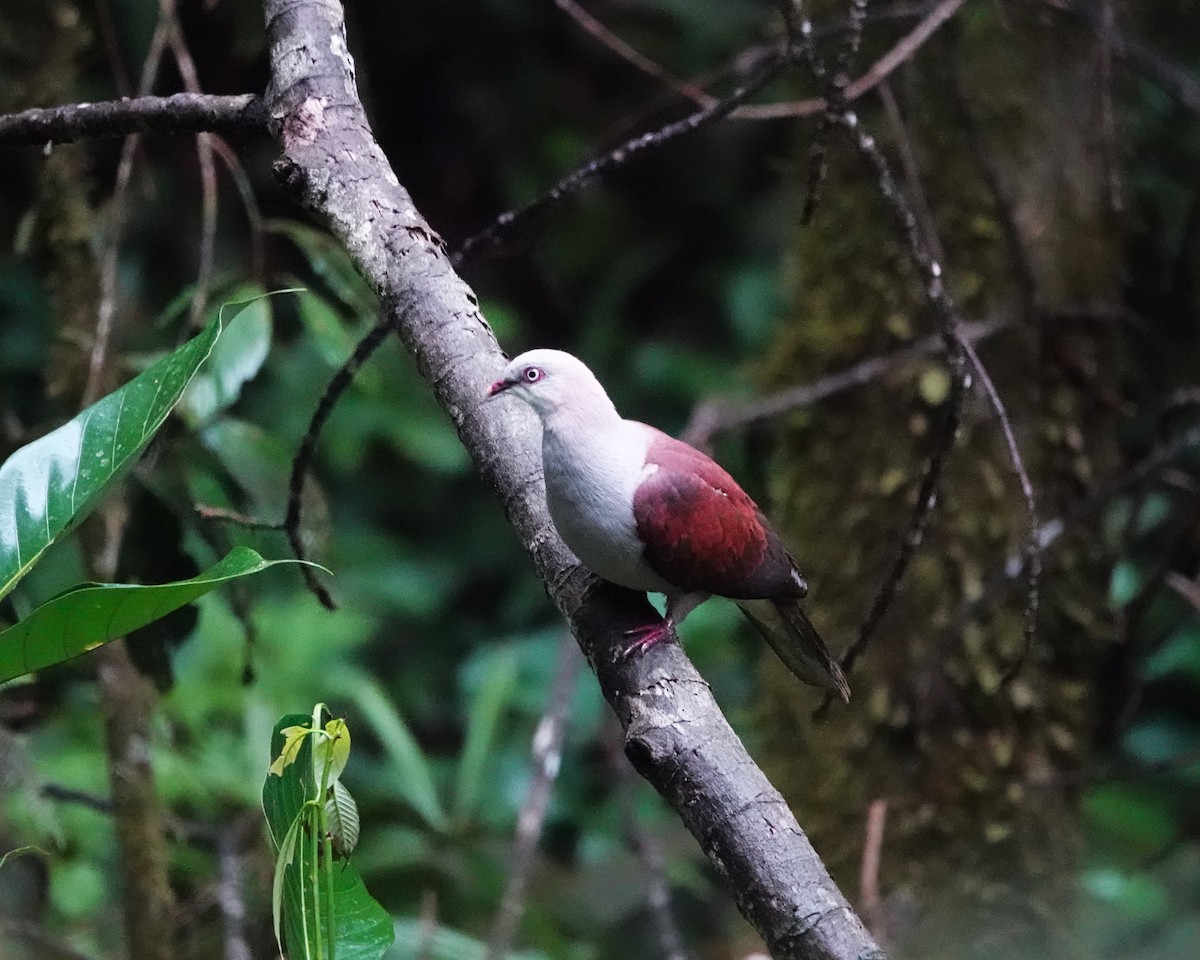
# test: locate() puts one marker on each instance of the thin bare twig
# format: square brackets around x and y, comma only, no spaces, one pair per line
[848,50]
[1032,544]
[225,515]
[1052,530]
[208,172]
[64,794]
[511,221]
[899,54]
[714,417]
[835,98]
[799,35]
[308,447]
[112,46]
[944,438]
[630,55]
[546,759]
[116,223]
[1176,81]
[245,189]
[929,268]
[870,899]
[912,172]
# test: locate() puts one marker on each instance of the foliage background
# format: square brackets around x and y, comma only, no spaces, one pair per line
[682,276]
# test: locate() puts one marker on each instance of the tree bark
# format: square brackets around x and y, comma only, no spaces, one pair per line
[178,113]
[674,732]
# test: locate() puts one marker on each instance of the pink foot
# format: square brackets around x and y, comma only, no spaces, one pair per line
[647,637]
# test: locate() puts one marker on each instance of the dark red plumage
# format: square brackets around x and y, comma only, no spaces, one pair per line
[702,532]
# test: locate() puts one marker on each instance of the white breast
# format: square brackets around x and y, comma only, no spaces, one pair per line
[591,476]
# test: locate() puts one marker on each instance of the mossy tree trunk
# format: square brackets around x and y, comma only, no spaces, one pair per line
[1003,116]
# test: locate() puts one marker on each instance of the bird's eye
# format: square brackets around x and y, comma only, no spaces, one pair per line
[533,374]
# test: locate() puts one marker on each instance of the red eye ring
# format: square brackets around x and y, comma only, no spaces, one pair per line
[532,374]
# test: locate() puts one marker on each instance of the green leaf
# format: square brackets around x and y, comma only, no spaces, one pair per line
[287,852]
[363,929]
[49,485]
[414,776]
[332,749]
[754,301]
[334,336]
[1125,583]
[1179,655]
[1138,895]
[417,939]
[488,704]
[341,817]
[91,614]
[236,358]
[293,739]
[258,460]
[329,261]
[1130,822]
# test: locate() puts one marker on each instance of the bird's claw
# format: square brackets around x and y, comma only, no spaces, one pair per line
[647,636]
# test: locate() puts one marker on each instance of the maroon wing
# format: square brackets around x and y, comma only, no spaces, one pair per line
[702,532]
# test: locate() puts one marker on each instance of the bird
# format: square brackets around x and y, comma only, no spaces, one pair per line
[651,513]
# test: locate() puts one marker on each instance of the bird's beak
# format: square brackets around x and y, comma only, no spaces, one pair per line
[499,387]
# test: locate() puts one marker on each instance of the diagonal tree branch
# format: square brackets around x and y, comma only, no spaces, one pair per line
[675,734]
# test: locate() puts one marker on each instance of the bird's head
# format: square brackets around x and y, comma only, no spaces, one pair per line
[551,381]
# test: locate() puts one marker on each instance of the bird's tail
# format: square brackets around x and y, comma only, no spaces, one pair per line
[784,625]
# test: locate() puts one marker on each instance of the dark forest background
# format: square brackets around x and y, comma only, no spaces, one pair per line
[1038,802]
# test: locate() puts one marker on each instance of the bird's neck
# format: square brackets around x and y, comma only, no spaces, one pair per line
[583,417]
[581,433]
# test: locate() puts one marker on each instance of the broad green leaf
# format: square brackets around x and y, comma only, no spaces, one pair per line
[488,704]
[363,928]
[236,358]
[414,778]
[91,614]
[49,485]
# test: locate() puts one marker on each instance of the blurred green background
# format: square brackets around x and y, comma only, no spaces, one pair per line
[683,276]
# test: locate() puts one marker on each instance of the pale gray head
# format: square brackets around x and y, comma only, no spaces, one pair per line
[553,382]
